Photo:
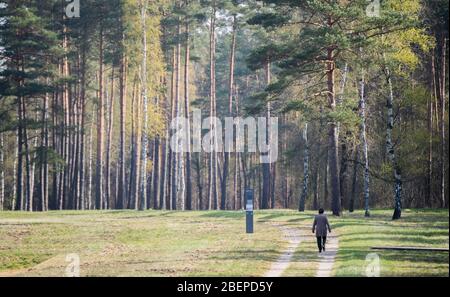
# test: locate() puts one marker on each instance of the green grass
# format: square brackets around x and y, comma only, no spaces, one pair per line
[154,243]
[421,228]
[128,243]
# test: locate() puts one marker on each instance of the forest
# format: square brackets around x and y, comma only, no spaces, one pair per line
[88,91]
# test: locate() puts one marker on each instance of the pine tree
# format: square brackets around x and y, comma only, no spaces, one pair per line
[328,30]
[28,45]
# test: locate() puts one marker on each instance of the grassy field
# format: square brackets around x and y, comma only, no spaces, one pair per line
[422,228]
[154,243]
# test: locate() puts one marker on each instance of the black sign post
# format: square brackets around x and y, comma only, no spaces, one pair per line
[249,210]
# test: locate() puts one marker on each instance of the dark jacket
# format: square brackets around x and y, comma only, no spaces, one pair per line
[321,225]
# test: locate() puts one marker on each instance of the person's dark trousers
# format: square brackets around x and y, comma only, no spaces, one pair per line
[321,240]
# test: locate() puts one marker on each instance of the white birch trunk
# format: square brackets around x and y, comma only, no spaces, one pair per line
[143,175]
[364,145]
[305,170]
[391,151]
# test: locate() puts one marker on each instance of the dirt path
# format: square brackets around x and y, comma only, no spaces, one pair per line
[327,258]
[278,267]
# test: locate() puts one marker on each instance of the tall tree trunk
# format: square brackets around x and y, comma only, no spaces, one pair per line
[14,185]
[181,186]
[163,174]
[351,206]
[121,193]
[391,151]
[343,173]
[150,177]
[66,133]
[110,112]
[238,162]
[28,195]
[82,174]
[178,156]
[43,172]
[144,144]
[135,148]
[198,168]
[304,194]
[121,186]
[19,180]
[156,163]
[212,174]
[223,201]
[266,166]
[316,187]
[171,184]
[259,183]
[333,155]
[273,174]
[59,168]
[442,117]
[155,172]
[236,183]
[32,157]
[430,106]
[138,145]
[73,144]
[216,177]
[364,145]
[89,202]
[188,204]
[99,195]
[165,147]
[285,179]
[53,202]
[244,178]
[57,142]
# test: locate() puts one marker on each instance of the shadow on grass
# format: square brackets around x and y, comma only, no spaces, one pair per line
[145,215]
[297,217]
[392,264]
[430,231]
[357,223]
[347,223]
[406,241]
[270,255]
[308,218]
[408,216]
[224,214]
[410,257]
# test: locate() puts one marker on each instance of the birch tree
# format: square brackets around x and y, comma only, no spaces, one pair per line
[143,77]
[304,193]
[364,145]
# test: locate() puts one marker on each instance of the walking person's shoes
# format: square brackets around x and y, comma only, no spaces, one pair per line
[323,248]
